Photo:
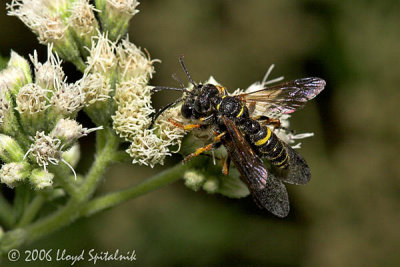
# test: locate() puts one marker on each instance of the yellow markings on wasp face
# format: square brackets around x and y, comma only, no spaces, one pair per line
[223,96]
[240,113]
[265,139]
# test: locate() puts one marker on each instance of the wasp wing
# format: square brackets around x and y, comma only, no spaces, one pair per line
[297,172]
[269,192]
[283,98]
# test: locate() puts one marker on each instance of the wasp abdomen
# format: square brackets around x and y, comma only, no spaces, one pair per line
[269,145]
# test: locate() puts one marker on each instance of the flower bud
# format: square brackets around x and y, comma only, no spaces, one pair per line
[16,75]
[67,100]
[22,64]
[72,155]
[13,173]
[211,185]
[45,149]
[8,121]
[102,57]
[194,179]
[68,131]
[96,88]
[32,103]
[133,63]
[41,179]
[83,23]
[147,149]
[9,149]
[50,73]
[48,20]
[115,15]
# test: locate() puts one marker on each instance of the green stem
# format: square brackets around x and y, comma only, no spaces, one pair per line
[31,211]
[151,184]
[70,211]
[65,179]
[21,200]
[6,213]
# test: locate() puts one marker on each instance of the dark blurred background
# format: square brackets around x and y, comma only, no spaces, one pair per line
[348,215]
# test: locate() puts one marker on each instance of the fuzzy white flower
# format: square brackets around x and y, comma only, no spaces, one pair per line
[95,87]
[41,179]
[48,74]
[194,179]
[168,132]
[134,108]
[16,74]
[82,18]
[123,6]
[12,79]
[32,98]
[288,136]
[148,149]
[45,149]
[102,57]
[132,62]
[14,172]
[68,99]
[43,17]
[68,131]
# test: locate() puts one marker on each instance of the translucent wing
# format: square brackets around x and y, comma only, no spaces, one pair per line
[283,98]
[298,171]
[268,191]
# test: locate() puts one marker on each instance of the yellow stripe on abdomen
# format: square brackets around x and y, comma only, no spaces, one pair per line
[265,139]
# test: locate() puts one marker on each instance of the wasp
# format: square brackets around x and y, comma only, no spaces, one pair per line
[248,138]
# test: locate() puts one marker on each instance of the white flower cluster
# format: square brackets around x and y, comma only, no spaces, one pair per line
[71,24]
[42,120]
[133,114]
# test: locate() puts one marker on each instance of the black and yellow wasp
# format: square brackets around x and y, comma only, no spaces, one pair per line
[247,138]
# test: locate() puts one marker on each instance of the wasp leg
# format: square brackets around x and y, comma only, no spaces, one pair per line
[206,119]
[222,90]
[227,163]
[276,123]
[187,127]
[206,148]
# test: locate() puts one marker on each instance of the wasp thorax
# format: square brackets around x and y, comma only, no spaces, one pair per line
[252,126]
[230,106]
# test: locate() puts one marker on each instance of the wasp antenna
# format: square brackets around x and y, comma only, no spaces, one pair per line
[175,77]
[161,110]
[161,88]
[186,71]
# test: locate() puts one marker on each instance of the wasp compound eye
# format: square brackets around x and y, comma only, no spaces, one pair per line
[187,110]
